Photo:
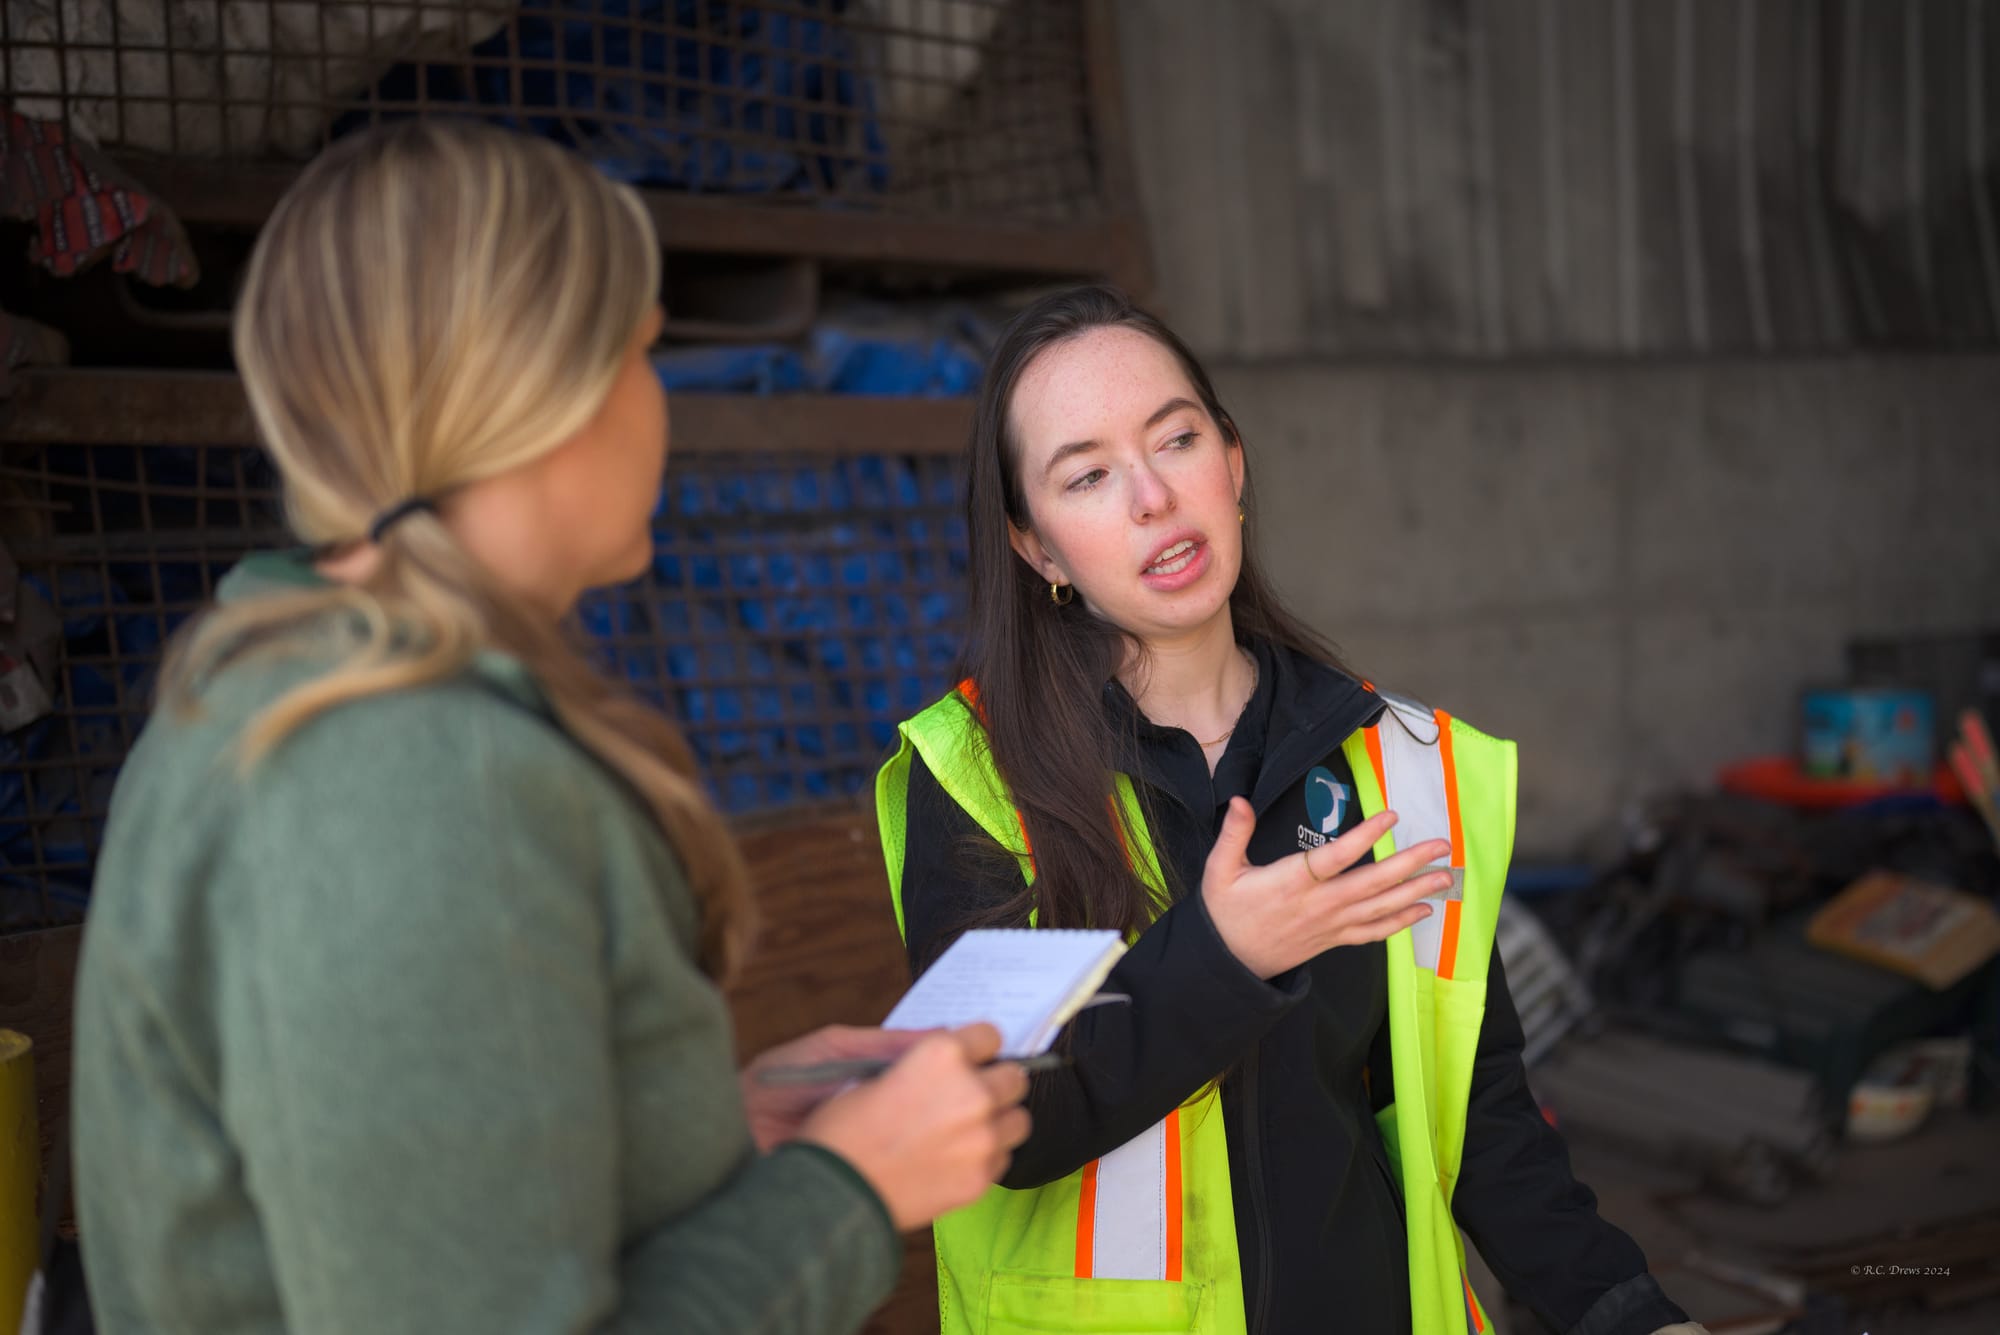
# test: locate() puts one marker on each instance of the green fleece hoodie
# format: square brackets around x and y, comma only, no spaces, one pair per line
[404,1032]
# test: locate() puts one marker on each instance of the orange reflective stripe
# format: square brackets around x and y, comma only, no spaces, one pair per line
[1448,945]
[1451,789]
[1373,736]
[1471,1303]
[1448,939]
[1172,1202]
[1086,1220]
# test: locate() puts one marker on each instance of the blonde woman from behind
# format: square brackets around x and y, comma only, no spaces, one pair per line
[398,1009]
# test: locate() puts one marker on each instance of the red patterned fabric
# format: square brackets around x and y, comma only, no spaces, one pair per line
[83,209]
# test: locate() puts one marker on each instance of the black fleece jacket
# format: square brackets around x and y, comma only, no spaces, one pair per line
[1304,1057]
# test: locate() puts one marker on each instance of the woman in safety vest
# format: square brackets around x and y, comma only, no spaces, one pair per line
[1318,1081]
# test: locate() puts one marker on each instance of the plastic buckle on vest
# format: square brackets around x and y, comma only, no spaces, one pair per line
[1457,891]
[1418,719]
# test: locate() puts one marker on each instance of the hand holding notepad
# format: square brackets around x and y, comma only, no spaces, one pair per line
[1025,983]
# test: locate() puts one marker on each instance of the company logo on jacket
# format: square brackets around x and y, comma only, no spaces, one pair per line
[1326,803]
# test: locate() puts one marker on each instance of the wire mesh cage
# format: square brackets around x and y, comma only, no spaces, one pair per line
[953,108]
[796,608]
[120,544]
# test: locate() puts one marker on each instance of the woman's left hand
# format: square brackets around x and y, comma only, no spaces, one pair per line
[777,1111]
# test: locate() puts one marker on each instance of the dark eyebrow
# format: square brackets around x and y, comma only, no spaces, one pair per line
[1065,451]
[1164,411]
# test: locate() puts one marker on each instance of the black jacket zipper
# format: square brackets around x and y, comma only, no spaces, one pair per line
[1260,1209]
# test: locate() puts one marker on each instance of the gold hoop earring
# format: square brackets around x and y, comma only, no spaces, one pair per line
[1241,517]
[1061,594]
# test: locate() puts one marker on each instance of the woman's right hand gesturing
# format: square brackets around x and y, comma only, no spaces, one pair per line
[934,1130]
[1277,917]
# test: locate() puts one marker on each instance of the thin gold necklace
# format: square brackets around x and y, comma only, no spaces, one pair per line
[1254,671]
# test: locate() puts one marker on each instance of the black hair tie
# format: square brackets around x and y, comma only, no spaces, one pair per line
[397,513]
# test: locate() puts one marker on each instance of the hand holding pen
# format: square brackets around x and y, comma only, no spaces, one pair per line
[933,1131]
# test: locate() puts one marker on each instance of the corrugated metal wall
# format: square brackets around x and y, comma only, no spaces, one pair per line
[1557,177]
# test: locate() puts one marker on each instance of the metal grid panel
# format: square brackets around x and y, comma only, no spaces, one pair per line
[796,608]
[948,107]
[123,543]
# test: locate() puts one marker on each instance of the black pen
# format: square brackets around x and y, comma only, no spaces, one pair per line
[863,1068]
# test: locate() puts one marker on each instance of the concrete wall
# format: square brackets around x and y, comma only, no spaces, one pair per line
[1628,569]
[1629,564]
[1370,177]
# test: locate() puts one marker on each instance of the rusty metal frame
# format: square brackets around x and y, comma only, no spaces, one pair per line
[242,194]
[208,408]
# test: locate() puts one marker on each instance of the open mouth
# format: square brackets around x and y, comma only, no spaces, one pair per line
[1175,558]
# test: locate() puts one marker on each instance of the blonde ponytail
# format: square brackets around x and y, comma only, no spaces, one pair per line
[430,305]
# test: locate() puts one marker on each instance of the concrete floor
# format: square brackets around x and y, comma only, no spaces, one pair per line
[1947,1170]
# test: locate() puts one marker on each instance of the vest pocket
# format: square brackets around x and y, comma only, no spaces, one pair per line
[1063,1305]
[1461,1006]
[1460,1009]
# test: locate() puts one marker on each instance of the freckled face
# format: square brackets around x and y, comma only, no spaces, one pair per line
[1132,489]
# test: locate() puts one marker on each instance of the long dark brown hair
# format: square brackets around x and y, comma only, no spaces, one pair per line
[1040,670]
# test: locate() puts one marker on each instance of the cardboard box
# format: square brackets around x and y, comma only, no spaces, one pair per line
[1929,932]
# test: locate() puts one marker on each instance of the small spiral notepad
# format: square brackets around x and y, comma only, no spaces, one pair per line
[1025,982]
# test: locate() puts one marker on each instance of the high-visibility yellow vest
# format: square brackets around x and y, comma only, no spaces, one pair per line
[1144,1239]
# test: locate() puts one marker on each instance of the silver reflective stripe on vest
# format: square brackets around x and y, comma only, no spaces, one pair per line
[1413,787]
[1129,1239]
